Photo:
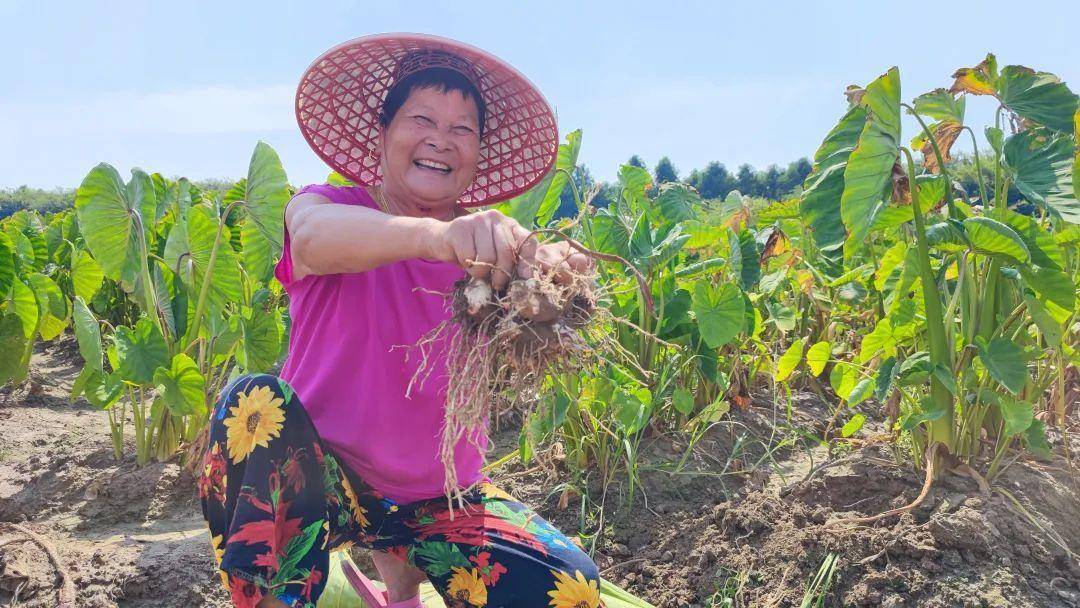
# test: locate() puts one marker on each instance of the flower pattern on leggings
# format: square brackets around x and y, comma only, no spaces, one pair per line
[277,501]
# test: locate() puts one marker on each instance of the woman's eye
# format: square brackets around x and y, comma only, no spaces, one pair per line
[463,130]
[424,120]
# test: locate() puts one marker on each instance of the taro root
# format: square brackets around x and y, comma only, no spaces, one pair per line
[500,346]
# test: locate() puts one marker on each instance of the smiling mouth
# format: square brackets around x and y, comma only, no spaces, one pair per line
[433,165]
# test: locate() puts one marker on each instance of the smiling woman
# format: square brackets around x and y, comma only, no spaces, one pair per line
[338,450]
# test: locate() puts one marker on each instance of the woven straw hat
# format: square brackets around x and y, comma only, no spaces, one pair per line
[341,93]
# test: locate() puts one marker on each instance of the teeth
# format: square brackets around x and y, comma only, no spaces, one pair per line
[433,164]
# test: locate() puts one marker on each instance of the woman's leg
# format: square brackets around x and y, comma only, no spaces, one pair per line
[267,495]
[498,552]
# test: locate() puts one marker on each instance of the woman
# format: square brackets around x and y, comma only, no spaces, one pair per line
[334,453]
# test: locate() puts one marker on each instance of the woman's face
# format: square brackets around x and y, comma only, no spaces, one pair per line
[431,147]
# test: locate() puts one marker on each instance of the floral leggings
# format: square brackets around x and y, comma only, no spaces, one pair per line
[277,502]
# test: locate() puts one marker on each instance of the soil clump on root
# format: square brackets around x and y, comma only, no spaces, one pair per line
[500,346]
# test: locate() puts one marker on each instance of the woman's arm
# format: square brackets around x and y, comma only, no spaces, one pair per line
[332,238]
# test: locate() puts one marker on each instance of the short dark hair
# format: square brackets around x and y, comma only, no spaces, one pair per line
[443,80]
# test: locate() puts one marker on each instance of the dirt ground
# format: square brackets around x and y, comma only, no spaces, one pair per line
[741,525]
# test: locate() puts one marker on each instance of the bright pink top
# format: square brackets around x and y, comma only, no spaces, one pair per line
[348,344]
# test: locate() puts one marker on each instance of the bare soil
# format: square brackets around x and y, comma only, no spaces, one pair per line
[741,525]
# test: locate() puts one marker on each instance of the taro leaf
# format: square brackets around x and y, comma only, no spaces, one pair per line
[1016,413]
[107,210]
[182,386]
[259,346]
[7,264]
[86,274]
[843,378]
[941,105]
[524,206]
[140,351]
[891,217]
[610,234]
[225,284]
[817,356]
[928,411]
[633,183]
[979,80]
[783,316]
[948,236]
[789,360]
[779,210]
[12,345]
[1037,96]
[860,392]
[1043,172]
[88,334]
[932,190]
[1035,439]
[1051,329]
[822,190]
[880,342]
[914,370]
[852,426]
[702,235]
[1076,158]
[682,401]
[676,202]
[565,163]
[1044,249]
[641,240]
[52,304]
[1005,361]
[869,169]
[991,237]
[23,249]
[750,255]
[24,303]
[266,192]
[890,264]
[883,383]
[633,409]
[1053,289]
[719,310]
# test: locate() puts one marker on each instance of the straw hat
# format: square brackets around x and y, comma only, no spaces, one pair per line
[341,93]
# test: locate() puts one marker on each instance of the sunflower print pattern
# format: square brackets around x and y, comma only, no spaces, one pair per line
[277,501]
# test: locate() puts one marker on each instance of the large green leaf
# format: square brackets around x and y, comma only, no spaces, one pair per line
[565,162]
[24,303]
[991,237]
[7,264]
[1037,96]
[1053,289]
[107,210]
[88,334]
[1016,413]
[720,312]
[610,234]
[1045,251]
[633,184]
[52,304]
[259,345]
[140,351]
[225,281]
[869,169]
[817,356]
[12,345]
[823,188]
[182,386]
[524,206]
[942,105]
[676,202]
[265,195]
[789,360]
[1005,361]
[86,274]
[1043,172]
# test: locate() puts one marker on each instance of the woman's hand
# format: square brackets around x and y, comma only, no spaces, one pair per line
[490,245]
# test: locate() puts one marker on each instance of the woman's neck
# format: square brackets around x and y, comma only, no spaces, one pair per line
[402,205]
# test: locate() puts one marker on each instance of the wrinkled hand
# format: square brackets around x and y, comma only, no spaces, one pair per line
[490,245]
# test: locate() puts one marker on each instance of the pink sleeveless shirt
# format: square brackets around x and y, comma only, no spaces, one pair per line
[350,363]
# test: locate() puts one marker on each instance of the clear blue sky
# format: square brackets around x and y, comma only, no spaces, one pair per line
[187,88]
